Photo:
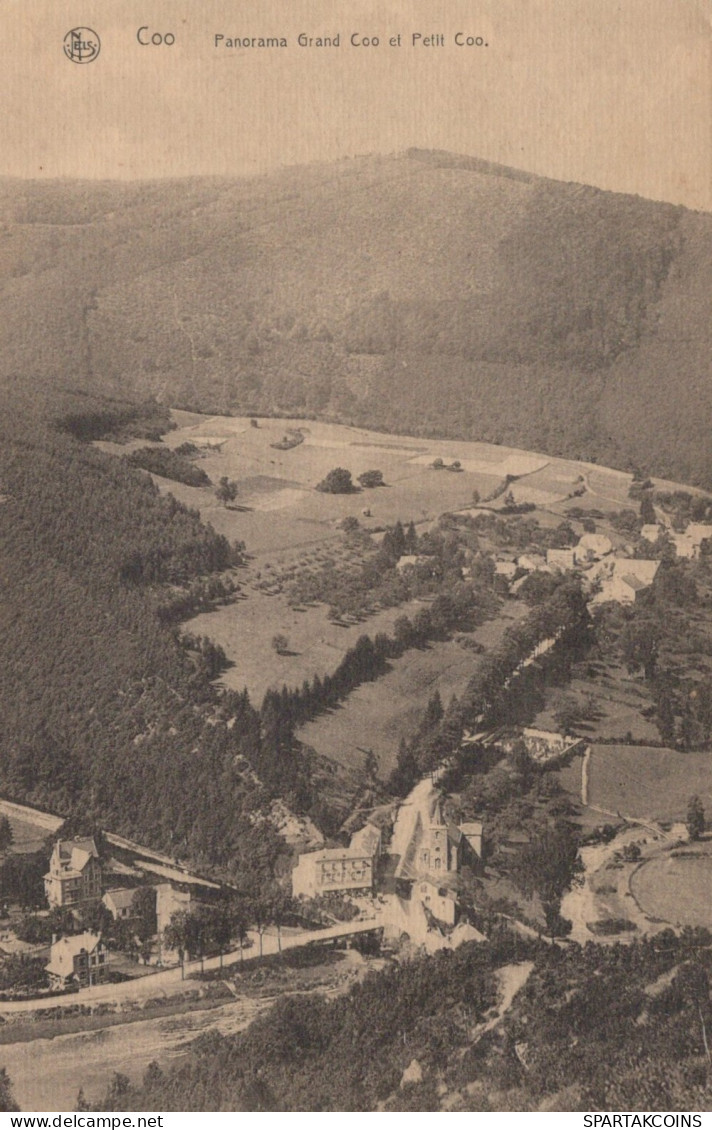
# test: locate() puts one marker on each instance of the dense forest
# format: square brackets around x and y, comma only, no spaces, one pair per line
[423,293]
[592,1029]
[107,710]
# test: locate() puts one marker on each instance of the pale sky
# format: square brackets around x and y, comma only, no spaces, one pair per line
[616,93]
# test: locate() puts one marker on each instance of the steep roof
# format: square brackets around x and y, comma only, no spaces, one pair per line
[366,840]
[121,898]
[64,951]
[639,568]
[471,828]
[79,843]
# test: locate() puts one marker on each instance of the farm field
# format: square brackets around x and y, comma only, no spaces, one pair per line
[646,782]
[377,715]
[316,645]
[277,506]
[676,887]
[619,700]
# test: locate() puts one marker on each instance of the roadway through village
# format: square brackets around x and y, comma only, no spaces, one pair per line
[47,1073]
[171,982]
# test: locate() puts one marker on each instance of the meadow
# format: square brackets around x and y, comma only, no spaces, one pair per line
[676,887]
[645,782]
[377,715]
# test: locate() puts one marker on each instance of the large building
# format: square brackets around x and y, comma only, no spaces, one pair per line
[350,870]
[74,875]
[79,960]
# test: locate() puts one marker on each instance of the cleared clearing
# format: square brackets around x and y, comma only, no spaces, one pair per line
[676,887]
[377,715]
[316,645]
[645,782]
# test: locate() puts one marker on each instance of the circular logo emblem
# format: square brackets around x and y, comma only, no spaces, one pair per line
[81,45]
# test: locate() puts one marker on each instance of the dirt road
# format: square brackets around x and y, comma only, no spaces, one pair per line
[47,1074]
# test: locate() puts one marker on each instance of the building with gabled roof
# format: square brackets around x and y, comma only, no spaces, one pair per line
[561,559]
[472,831]
[74,875]
[626,580]
[368,840]
[81,959]
[348,870]
[119,902]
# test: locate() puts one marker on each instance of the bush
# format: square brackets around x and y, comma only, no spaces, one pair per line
[169,464]
[338,481]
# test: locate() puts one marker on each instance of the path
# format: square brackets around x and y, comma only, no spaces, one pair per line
[510,978]
[170,982]
[47,1073]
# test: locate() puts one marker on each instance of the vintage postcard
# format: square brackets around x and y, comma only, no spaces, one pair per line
[356,558]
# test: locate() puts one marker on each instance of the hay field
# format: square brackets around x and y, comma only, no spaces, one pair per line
[377,715]
[676,887]
[278,506]
[646,782]
[316,645]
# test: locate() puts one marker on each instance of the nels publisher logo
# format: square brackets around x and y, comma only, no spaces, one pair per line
[81,45]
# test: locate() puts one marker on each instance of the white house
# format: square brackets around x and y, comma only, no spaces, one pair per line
[119,902]
[628,578]
[74,875]
[349,870]
[531,561]
[79,960]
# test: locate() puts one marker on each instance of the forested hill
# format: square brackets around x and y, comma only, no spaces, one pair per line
[108,713]
[424,292]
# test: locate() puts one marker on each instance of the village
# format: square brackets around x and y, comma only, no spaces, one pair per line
[404,869]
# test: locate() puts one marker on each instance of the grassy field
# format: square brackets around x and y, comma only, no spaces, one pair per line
[644,782]
[278,507]
[26,836]
[619,700]
[316,645]
[676,888]
[377,715]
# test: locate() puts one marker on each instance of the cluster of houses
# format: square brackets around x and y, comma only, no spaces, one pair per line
[608,575]
[74,879]
[686,544]
[425,868]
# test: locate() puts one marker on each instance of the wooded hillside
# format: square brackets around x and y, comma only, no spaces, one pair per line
[423,293]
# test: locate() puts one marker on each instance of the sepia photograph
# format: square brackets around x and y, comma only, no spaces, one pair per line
[356,558]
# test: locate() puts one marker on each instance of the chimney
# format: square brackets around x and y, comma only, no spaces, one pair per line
[54,939]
